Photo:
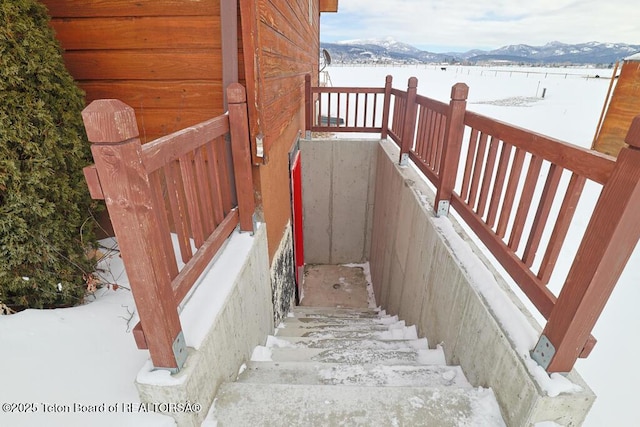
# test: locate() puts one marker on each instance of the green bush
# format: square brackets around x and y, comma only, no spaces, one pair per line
[43,197]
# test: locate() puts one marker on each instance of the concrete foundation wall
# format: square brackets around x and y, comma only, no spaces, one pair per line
[242,321]
[283,277]
[418,276]
[338,177]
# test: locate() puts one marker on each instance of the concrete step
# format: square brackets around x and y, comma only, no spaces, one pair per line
[365,322]
[252,404]
[361,375]
[336,312]
[396,330]
[346,343]
[350,355]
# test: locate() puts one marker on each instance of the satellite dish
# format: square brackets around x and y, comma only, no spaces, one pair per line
[325,60]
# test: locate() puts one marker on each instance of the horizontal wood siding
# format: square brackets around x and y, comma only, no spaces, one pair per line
[162,57]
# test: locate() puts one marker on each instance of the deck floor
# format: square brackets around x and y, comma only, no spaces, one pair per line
[334,286]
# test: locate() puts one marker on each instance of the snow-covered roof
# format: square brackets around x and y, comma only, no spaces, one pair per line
[634,57]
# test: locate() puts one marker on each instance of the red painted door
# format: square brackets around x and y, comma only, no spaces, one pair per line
[296,207]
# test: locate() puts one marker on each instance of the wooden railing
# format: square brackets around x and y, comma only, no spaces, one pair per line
[176,185]
[489,172]
[330,109]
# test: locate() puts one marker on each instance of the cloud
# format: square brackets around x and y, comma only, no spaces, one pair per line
[451,24]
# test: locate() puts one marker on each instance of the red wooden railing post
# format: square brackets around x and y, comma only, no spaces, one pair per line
[241,153]
[308,105]
[408,128]
[386,107]
[111,127]
[609,240]
[454,132]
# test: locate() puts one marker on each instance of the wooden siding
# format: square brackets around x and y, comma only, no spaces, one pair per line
[283,47]
[623,107]
[162,57]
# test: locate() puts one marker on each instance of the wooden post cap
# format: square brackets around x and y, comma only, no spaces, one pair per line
[236,93]
[109,121]
[413,82]
[459,92]
[633,135]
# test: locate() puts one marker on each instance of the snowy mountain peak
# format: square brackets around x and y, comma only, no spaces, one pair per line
[388,49]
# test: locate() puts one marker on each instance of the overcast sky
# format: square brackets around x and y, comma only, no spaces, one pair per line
[460,25]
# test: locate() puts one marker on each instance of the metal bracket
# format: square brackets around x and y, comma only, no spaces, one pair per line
[443,208]
[404,159]
[543,352]
[259,145]
[179,352]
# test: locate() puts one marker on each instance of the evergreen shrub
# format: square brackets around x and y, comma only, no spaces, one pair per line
[44,201]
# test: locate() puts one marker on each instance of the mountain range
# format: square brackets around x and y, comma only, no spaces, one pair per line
[390,50]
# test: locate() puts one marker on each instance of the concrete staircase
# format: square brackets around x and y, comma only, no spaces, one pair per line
[350,367]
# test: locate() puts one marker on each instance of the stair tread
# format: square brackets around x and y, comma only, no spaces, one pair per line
[303,405]
[394,330]
[353,355]
[361,374]
[345,343]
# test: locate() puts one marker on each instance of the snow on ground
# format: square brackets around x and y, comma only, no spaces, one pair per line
[76,366]
[570,110]
[84,356]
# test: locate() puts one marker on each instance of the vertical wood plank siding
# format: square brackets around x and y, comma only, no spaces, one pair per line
[162,57]
[281,45]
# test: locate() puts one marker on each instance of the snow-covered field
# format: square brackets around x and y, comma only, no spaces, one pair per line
[569,111]
[51,360]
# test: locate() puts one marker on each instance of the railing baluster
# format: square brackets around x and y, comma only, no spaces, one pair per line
[155,183]
[524,204]
[220,148]
[496,196]
[375,106]
[559,233]
[432,139]
[440,141]
[187,172]
[510,192]
[488,176]
[178,205]
[477,170]
[214,179]
[203,191]
[468,167]
[542,214]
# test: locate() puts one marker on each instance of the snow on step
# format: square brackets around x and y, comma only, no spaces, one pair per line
[381,334]
[362,375]
[336,312]
[343,323]
[252,404]
[347,343]
[402,356]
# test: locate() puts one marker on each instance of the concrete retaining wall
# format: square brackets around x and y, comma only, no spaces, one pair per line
[338,177]
[221,331]
[418,276]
